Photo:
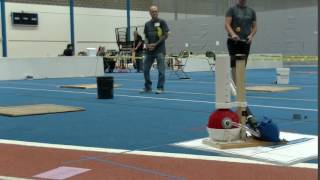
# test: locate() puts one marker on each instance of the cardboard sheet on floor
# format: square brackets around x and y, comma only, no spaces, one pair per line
[85,86]
[299,148]
[271,88]
[28,110]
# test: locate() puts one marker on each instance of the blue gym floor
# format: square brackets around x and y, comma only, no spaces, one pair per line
[149,122]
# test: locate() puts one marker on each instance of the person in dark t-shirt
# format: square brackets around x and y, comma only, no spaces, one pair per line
[69,51]
[138,50]
[241,25]
[156,32]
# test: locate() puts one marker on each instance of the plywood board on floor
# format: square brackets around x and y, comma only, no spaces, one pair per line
[37,109]
[250,142]
[85,86]
[271,88]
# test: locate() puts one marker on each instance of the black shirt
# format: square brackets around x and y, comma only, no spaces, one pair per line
[140,48]
[153,30]
[68,52]
[242,20]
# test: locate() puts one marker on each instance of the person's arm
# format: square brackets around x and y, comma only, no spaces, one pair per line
[227,25]
[138,45]
[162,38]
[134,44]
[146,37]
[253,28]
[253,32]
[165,35]
[147,43]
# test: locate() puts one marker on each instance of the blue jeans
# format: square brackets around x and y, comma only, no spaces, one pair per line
[148,61]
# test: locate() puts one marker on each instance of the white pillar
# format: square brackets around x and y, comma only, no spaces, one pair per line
[223,90]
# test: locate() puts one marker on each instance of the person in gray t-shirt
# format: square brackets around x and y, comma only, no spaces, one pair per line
[241,25]
[156,32]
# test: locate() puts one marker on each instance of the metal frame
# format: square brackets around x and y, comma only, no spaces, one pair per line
[4,29]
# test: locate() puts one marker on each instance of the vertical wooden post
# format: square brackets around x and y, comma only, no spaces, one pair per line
[241,90]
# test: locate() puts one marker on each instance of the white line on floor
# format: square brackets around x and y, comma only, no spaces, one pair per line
[211,94]
[178,92]
[12,178]
[211,83]
[159,98]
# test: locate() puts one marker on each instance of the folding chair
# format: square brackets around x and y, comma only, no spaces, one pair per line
[179,64]
[211,57]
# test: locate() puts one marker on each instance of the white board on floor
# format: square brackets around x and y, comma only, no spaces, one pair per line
[300,148]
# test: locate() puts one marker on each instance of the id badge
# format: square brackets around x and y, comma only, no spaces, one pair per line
[157,24]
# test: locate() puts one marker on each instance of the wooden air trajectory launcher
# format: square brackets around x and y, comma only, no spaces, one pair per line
[241,91]
[228,129]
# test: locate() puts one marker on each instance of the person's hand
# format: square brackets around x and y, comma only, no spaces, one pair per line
[151,47]
[250,38]
[235,37]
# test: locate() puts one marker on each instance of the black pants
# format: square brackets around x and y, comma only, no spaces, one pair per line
[139,64]
[237,47]
[139,61]
[109,64]
[112,65]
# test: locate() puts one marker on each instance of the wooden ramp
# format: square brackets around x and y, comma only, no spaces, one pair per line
[85,86]
[271,88]
[250,142]
[28,110]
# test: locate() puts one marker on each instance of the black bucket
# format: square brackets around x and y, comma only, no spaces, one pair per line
[105,87]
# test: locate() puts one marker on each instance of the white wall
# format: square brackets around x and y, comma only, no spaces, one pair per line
[196,63]
[181,16]
[93,27]
[50,67]
[98,27]
[287,31]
